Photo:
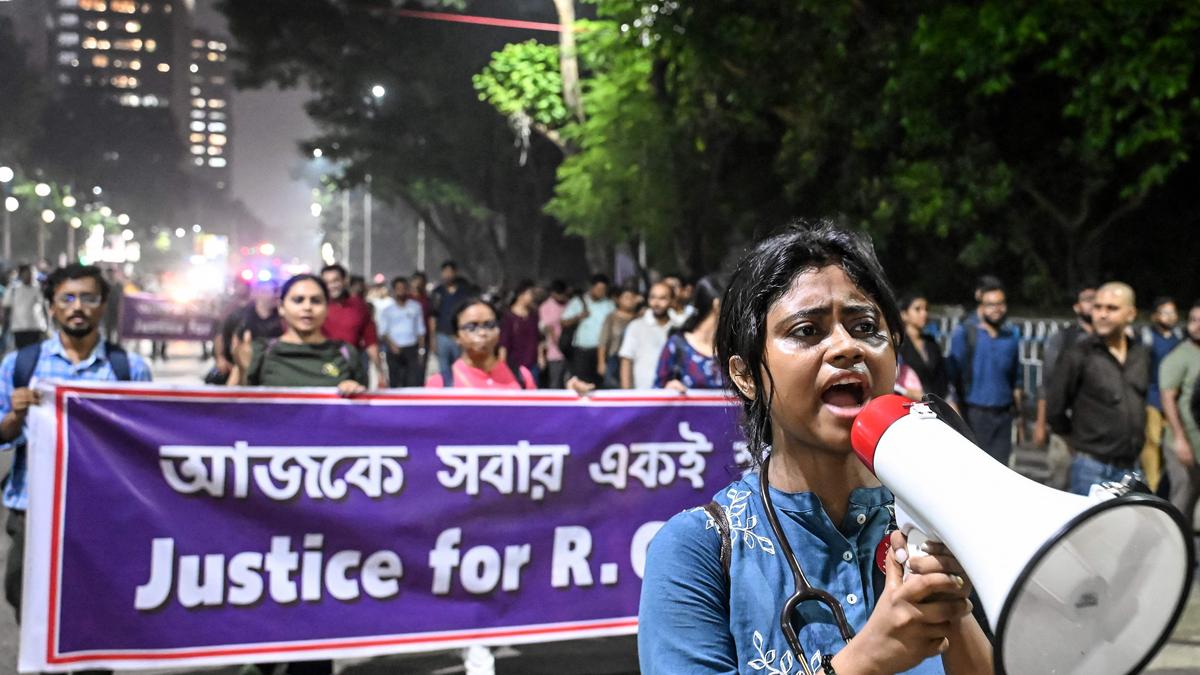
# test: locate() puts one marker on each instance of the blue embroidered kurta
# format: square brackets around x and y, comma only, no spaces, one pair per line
[690,624]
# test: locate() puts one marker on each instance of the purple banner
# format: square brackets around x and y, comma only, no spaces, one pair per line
[148,317]
[201,526]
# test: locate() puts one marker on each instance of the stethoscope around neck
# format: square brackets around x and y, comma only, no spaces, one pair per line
[804,590]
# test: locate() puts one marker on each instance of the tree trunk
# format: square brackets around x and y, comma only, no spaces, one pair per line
[567,59]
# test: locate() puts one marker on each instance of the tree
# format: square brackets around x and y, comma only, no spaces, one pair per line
[1005,136]
[428,142]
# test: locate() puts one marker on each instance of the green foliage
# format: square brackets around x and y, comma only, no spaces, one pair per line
[524,79]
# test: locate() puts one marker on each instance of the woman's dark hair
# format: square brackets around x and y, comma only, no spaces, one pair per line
[907,300]
[287,285]
[710,288]
[71,272]
[758,281]
[522,286]
[468,303]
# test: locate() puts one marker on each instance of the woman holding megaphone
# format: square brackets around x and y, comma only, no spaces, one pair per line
[808,334]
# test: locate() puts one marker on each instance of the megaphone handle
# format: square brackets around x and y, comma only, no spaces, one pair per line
[912,530]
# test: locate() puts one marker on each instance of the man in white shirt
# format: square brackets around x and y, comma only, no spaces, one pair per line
[402,331]
[645,338]
[587,314]
[23,305]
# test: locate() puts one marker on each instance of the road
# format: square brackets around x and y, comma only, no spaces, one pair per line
[610,656]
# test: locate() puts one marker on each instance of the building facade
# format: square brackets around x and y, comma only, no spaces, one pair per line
[209,111]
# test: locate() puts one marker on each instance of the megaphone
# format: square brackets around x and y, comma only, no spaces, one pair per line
[1069,584]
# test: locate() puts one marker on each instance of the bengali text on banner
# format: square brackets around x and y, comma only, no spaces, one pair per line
[174,527]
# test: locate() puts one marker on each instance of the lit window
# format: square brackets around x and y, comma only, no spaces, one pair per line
[199,161]
[168,9]
[198,103]
[89,42]
[217,126]
[123,6]
[64,78]
[194,68]
[217,80]
[118,63]
[74,62]
[151,45]
[195,91]
[134,45]
[198,44]
[215,151]
[196,138]
[69,3]
[197,126]
[68,20]
[164,67]
[217,139]
[130,100]
[101,25]
[213,56]
[65,58]
[216,116]
[146,8]
[197,149]
[216,103]
[68,39]
[103,45]
[133,26]
[217,162]
[197,114]
[90,5]
[135,65]
[100,61]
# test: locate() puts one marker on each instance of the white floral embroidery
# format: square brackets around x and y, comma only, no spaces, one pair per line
[739,523]
[766,660]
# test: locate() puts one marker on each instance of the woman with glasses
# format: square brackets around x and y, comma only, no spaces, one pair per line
[302,356]
[807,335]
[476,327]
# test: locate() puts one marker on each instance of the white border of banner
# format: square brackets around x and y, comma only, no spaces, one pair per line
[47,492]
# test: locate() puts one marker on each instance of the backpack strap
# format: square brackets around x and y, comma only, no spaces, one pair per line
[27,360]
[717,514]
[118,359]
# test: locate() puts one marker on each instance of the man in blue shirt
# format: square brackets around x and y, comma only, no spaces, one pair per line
[402,330]
[1161,337]
[76,295]
[985,367]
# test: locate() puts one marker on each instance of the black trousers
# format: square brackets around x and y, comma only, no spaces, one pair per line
[583,365]
[14,570]
[405,368]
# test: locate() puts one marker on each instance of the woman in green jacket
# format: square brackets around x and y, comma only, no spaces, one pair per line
[302,356]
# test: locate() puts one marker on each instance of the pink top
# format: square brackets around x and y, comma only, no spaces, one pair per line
[550,315]
[499,377]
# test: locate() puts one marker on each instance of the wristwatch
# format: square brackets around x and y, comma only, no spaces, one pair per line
[827,664]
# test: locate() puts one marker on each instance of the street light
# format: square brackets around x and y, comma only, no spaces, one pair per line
[123,219]
[41,190]
[10,205]
[197,229]
[378,91]
[317,152]
[69,202]
[75,223]
[47,216]
[106,211]
[315,209]
[96,191]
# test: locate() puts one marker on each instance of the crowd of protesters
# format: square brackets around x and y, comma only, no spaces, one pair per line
[1112,399]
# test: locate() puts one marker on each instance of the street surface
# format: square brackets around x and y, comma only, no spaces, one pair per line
[610,656]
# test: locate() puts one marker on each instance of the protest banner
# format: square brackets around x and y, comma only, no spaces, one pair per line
[149,317]
[173,527]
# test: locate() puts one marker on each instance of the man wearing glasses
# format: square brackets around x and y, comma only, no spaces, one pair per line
[76,296]
[985,367]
